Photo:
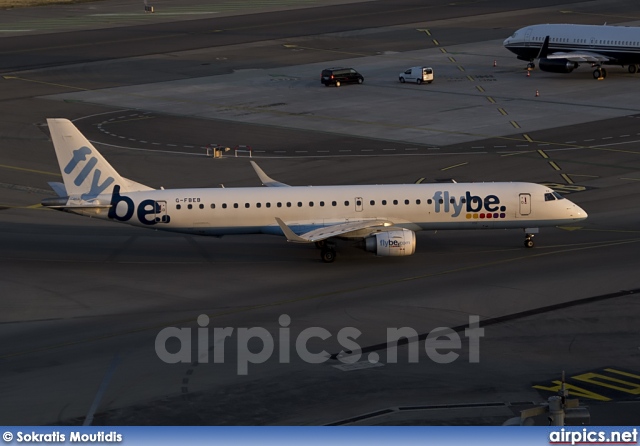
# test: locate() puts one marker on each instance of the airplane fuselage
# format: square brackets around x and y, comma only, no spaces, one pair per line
[223,211]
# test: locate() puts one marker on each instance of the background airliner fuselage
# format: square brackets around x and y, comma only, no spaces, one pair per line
[384,216]
[569,45]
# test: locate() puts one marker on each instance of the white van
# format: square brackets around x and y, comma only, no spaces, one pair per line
[417,74]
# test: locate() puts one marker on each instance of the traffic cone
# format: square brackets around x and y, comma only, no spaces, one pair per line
[537,93]
[528,73]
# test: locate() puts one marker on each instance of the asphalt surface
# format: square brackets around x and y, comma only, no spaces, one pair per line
[83,301]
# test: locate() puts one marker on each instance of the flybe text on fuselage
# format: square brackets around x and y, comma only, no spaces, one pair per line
[146,209]
[447,203]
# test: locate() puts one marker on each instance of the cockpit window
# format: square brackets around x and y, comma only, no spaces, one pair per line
[558,196]
[549,197]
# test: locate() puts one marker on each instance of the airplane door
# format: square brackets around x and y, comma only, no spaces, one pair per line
[527,36]
[359,204]
[525,204]
[161,212]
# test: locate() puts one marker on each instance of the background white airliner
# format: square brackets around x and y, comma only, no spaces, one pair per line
[562,48]
[382,217]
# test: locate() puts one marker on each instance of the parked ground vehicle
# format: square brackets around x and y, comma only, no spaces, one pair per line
[417,74]
[339,76]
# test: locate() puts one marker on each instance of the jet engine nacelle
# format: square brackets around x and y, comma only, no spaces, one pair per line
[392,243]
[557,65]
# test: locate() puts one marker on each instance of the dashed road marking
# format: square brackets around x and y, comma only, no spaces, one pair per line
[554,165]
[567,178]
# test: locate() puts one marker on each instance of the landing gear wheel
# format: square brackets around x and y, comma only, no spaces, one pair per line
[528,241]
[633,69]
[597,73]
[531,66]
[328,255]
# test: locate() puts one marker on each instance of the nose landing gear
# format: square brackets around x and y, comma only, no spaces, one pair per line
[528,241]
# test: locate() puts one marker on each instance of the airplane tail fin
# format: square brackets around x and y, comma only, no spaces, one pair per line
[85,172]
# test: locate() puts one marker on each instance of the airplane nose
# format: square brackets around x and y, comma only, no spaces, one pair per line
[579,213]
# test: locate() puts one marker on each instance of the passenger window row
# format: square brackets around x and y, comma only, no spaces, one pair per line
[320,203]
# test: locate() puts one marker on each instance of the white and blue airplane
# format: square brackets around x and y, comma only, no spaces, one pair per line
[383,218]
[561,48]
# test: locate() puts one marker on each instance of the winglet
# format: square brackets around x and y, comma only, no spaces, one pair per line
[544,49]
[289,234]
[265,179]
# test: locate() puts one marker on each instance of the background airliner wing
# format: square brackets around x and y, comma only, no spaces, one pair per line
[331,231]
[579,56]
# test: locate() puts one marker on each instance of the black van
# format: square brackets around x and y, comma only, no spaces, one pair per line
[338,76]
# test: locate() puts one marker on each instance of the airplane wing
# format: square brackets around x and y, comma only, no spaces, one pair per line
[573,56]
[580,56]
[266,179]
[331,231]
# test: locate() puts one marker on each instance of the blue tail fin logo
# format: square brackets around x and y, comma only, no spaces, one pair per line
[81,156]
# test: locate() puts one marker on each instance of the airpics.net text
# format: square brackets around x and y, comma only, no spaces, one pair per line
[256,345]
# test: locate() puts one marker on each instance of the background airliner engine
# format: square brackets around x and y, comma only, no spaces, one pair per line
[557,65]
[392,243]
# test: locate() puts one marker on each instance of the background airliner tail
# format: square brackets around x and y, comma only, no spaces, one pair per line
[85,172]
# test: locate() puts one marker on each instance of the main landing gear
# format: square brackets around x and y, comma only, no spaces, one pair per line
[328,255]
[327,251]
[599,73]
[531,66]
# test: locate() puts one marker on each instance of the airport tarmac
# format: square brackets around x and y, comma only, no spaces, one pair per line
[84,300]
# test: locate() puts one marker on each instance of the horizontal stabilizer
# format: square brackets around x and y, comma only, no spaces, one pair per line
[58,188]
[65,203]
